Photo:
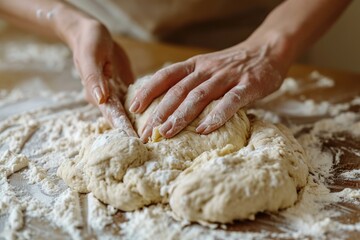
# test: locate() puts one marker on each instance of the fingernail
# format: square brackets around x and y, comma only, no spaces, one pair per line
[201,128]
[134,106]
[97,94]
[145,134]
[165,129]
[203,125]
[207,130]
[144,139]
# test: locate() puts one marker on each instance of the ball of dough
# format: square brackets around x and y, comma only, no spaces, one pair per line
[230,174]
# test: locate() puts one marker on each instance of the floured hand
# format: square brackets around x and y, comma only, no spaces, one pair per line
[105,72]
[240,75]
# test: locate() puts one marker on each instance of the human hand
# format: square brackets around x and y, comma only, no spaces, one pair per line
[238,75]
[105,72]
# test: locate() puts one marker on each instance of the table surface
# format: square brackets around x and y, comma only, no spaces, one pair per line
[149,57]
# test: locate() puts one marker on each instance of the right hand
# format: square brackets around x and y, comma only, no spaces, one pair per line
[105,72]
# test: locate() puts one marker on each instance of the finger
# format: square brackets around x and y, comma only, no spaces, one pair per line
[114,113]
[160,82]
[193,105]
[171,101]
[238,97]
[94,80]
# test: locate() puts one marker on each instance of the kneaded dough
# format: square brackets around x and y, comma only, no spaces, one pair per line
[245,167]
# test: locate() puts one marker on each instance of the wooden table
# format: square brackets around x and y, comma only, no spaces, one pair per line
[149,57]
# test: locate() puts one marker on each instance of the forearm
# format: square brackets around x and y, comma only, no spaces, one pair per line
[48,17]
[295,25]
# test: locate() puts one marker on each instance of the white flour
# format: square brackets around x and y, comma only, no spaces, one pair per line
[36,204]
[41,138]
[353,174]
[44,56]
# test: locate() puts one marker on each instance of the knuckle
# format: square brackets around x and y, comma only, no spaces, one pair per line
[91,78]
[198,95]
[234,97]
[190,65]
[197,57]
[198,75]
[178,91]
[144,93]
[163,73]
[179,118]
[157,118]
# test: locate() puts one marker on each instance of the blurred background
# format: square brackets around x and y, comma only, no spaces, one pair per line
[339,48]
[218,25]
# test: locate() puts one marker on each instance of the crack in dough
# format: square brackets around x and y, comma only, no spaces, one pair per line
[245,167]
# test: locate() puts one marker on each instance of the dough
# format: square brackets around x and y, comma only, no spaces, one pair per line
[243,168]
[222,185]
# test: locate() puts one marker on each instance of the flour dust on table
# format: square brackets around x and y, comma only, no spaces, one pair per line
[252,164]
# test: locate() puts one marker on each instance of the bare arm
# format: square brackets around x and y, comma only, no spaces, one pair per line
[295,25]
[102,64]
[238,75]
[52,18]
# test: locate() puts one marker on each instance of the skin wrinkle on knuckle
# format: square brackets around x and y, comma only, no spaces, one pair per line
[91,78]
[178,91]
[233,97]
[196,75]
[189,66]
[241,55]
[156,119]
[178,121]
[198,95]
[232,101]
[163,73]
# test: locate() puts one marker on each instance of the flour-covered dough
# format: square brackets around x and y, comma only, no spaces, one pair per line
[245,167]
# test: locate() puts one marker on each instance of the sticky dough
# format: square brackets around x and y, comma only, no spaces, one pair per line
[245,167]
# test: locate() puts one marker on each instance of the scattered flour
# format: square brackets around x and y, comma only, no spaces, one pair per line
[60,128]
[36,204]
[67,211]
[45,56]
[321,80]
[11,163]
[351,175]
[296,86]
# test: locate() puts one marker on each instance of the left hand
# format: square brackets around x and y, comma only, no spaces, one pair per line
[238,75]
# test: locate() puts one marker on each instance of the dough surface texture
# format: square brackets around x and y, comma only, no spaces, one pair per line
[245,167]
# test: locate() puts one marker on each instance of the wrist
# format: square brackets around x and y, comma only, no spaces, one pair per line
[70,23]
[281,49]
